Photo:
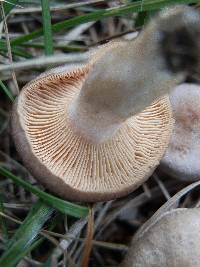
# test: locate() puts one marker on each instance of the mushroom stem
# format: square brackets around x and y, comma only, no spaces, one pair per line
[128,77]
[121,83]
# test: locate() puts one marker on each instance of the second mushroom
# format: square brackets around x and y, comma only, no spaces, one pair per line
[181,159]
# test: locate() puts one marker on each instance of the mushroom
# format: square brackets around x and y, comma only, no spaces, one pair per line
[97,131]
[181,159]
[170,241]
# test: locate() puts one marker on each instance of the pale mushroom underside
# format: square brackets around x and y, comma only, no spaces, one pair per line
[41,127]
[182,156]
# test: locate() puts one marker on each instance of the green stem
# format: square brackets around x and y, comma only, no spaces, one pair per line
[48,40]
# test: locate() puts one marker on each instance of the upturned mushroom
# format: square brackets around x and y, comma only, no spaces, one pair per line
[181,159]
[98,131]
[170,241]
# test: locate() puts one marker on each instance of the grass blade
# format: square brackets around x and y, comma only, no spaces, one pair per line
[138,6]
[18,51]
[8,6]
[46,16]
[39,213]
[59,204]
[6,91]
[3,225]
[18,246]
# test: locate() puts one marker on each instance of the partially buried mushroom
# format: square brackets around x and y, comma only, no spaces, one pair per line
[170,241]
[97,131]
[181,159]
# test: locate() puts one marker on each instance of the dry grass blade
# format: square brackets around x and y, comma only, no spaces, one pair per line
[9,47]
[46,61]
[73,232]
[56,7]
[162,186]
[88,241]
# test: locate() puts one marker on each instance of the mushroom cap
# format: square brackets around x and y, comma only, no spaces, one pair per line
[181,159]
[171,241]
[68,164]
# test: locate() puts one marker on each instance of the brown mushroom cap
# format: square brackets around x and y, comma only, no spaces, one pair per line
[171,241]
[181,159]
[69,165]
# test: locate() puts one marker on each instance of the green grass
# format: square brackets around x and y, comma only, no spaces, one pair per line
[23,239]
[59,204]
[48,39]
[8,6]
[138,6]
[6,91]
[3,225]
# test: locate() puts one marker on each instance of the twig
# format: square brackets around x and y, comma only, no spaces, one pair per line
[45,61]
[88,240]
[55,8]
[9,49]
[75,229]
[162,186]
[75,33]
[146,189]
[102,214]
